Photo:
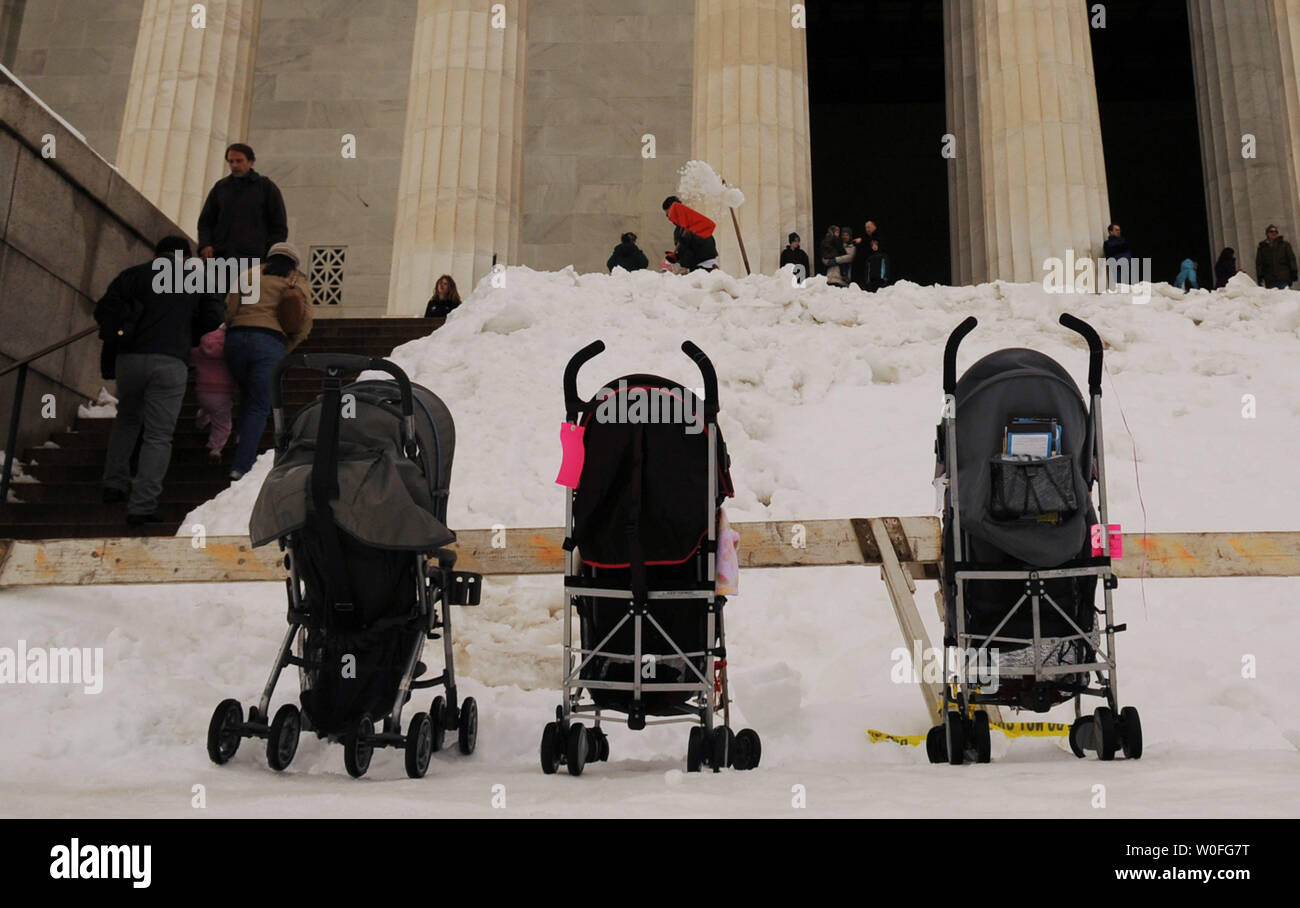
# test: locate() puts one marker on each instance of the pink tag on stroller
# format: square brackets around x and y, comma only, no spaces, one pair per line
[574,454]
[1113,546]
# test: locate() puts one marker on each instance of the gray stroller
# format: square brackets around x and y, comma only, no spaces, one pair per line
[1019,454]
[357,500]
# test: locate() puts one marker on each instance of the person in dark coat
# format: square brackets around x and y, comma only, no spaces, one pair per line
[244,213]
[627,255]
[1115,246]
[793,255]
[861,261]
[876,272]
[1225,268]
[1275,265]
[445,298]
[830,248]
[692,236]
[152,334]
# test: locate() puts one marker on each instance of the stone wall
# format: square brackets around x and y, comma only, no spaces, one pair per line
[68,224]
[76,56]
[601,74]
[325,68]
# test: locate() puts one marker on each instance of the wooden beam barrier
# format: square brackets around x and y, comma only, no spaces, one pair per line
[768,544]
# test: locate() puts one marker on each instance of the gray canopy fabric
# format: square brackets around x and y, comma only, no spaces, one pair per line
[1020,383]
[385,499]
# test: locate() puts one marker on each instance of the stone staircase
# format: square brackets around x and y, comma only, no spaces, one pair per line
[66,500]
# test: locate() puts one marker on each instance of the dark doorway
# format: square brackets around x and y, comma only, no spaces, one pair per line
[876,109]
[1146,93]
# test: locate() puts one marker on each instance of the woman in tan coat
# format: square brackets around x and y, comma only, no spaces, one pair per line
[258,335]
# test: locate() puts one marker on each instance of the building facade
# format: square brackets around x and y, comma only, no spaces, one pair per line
[413,138]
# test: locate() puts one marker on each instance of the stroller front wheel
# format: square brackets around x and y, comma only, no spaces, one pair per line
[282,740]
[419,745]
[550,750]
[357,748]
[1105,733]
[748,750]
[576,754]
[438,716]
[467,726]
[695,749]
[223,731]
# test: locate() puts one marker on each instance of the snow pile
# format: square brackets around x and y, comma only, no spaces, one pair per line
[700,186]
[829,400]
[104,407]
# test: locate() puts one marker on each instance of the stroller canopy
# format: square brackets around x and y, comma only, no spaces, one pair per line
[385,498]
[1004,385]
[646,478]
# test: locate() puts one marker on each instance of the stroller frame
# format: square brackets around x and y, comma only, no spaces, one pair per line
[965,730]
[709,744]
[437,583]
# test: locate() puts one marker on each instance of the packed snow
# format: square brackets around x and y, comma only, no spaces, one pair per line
[700,185]
[829,401]
[104,407]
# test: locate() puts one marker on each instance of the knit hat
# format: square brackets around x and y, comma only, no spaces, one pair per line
[286,249]
[792,238]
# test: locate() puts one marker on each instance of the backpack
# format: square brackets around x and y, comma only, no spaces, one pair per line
[291,311]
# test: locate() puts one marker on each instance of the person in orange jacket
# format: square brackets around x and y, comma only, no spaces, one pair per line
[692,236]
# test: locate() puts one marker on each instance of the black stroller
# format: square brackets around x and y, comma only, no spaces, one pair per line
[1023,549]
[640,568]
[358,500]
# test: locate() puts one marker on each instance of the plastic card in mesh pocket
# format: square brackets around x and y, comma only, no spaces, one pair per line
[1039,488]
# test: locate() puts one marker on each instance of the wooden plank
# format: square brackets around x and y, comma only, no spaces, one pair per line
[901,588]
[774,544]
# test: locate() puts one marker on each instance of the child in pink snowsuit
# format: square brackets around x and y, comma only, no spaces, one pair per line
[214,387]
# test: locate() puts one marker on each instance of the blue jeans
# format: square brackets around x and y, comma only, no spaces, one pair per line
[251,357]
[150,388]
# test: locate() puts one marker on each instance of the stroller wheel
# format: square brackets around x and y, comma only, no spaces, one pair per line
[550,748]
[748,750]
[724,740]
[1081,737]
[576,754]
[282,741]
[438,716]
[604,748]
[955,738]
[593,744]
[356,750]
[419,745]
[1130,732]
[980,737]
[467,726]
[1105,732]
[223,731]
[695,749]
[936,745]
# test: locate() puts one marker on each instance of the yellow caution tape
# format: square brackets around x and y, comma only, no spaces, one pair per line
[1010,729]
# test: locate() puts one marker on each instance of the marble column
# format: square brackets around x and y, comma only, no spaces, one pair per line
[190,95]
[1241,54]
[1029,182]
[460,186]
[751,123]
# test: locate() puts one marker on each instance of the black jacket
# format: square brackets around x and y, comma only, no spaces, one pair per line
[1224,272]
[1275,262]
[243,217]
[1116,247]
[791,256]
[440,308]
[627,256]
[167,323]
[693,248]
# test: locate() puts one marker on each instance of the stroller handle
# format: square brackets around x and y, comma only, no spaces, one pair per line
[1079,326]
[335,364]
[710,378]
[571,402]
[950,352]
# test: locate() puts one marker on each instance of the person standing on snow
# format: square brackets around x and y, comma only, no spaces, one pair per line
[839,267]
[1275,265]
[793,255]
[1225,269]
[627,255]
[694,246]
[830,247]
[877,273]
[243,215]
[1186,279]
[1116,247]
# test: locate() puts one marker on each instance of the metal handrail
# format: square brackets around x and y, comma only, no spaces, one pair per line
[21,365]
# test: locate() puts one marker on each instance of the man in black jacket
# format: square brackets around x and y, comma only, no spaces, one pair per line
[244,213]
[793,255]
[153,333]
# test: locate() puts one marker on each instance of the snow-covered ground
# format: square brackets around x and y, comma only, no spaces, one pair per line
[829,400]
